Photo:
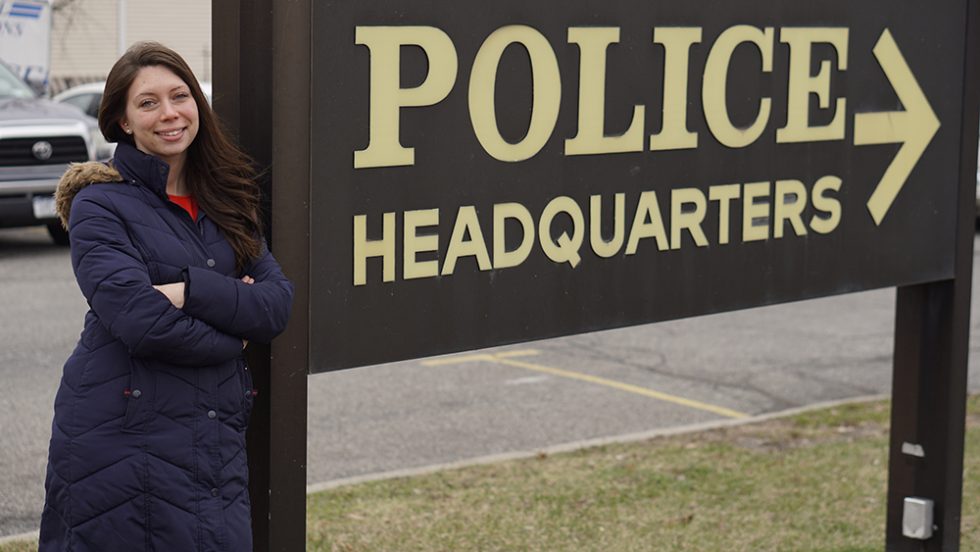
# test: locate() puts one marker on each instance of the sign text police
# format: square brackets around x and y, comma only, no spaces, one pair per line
[593,170]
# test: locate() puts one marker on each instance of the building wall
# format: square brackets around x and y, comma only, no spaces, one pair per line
[83,38]
[85,34]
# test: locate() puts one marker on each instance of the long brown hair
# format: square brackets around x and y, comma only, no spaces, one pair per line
[218,174]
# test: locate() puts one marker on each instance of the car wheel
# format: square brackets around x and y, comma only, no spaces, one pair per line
[58,234]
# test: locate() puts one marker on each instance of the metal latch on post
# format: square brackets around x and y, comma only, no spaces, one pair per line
[917,518]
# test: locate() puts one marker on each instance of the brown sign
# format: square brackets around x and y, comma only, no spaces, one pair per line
[511,171]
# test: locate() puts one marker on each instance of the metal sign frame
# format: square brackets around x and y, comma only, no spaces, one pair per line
[262,68]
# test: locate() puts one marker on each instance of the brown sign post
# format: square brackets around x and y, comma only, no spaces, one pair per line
[470,177]
[261,83]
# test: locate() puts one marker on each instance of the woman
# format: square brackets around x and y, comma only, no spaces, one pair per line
[148,440]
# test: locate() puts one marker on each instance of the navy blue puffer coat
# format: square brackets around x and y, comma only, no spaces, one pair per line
[147,445]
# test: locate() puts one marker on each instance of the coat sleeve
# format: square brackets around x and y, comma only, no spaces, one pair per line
[114,280]
[257,312]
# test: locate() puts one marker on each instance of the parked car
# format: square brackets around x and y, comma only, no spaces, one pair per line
[87,97]
[38,138]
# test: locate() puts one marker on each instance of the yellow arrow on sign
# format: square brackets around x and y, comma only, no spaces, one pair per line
[913,128]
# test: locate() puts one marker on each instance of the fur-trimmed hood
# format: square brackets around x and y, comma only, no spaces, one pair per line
[77,177]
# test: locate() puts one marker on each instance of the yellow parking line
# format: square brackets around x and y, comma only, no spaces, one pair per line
[507,356]
[458,360]
[720,410]
[478,357]
[512,354]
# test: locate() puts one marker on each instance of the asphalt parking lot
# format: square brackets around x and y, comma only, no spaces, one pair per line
[372,421]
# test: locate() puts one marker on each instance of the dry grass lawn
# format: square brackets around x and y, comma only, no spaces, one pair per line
[813,482]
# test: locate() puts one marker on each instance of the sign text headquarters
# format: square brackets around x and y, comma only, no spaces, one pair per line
[781,207]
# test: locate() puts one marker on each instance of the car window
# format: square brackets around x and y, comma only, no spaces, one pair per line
[11,86]
[88,103]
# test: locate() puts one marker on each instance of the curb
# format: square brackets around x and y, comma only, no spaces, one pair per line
[21,537]
[584,444]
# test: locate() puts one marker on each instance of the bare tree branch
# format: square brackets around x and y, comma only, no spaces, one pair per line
[59,5]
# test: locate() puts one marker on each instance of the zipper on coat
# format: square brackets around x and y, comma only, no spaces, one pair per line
[194,227]
[186,217]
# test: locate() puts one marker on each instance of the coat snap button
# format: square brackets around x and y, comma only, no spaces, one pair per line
[136,393]
[212,414]
[211,263]
[214,492]
[248,393]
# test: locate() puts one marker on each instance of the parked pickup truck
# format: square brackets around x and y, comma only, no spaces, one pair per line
[38,138]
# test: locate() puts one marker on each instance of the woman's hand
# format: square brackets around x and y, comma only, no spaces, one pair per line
[174,292]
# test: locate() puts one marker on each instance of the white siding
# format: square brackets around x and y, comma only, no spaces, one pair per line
[83,39]
[85,34]
[184,25]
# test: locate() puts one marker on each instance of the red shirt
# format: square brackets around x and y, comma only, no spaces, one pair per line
[187,202]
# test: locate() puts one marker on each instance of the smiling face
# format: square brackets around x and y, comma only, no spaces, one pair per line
[161,114]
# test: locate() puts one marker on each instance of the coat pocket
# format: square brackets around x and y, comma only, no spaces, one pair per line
[248,391]
[139,395]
